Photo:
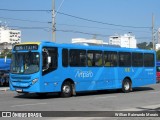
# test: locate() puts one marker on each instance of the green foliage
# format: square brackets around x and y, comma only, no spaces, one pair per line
[158,55]
[145,45]
[6,52]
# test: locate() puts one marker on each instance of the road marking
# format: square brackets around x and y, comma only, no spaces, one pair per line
[28,104]
[105,97]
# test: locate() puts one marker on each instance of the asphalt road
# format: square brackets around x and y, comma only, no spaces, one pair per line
[142,98]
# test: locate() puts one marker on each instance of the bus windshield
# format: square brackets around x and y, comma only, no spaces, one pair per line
[25,63]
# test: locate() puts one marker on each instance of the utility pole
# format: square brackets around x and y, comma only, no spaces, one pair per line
[153,33]
[53,22]
[159,36]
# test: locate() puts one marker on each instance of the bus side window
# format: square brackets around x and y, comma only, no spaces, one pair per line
[65,57]
[124,59]
[98,59]
[94,58]
[44,60]
[110,59]
[149,60]
[77,58]
[137,59]
[90,59]
[89,62]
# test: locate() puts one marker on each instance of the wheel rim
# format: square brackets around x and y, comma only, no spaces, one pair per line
[66,89]
[126,86]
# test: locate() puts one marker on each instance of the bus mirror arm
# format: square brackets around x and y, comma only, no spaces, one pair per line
[47,64]
[46,67]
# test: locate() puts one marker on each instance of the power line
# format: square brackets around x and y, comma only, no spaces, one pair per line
[59,7]
[92,27]
[73,31]
[101,35]
[24,20]
[24,27]
[89,20]
[70,31]
[13,10]
[100,22]
[47,29]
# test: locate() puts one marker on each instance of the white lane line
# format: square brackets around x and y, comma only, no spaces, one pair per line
[105,97]
[28,104]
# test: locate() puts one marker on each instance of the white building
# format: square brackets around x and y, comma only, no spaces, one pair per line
[157,46]
[88,41]
[125,40]
[9,37]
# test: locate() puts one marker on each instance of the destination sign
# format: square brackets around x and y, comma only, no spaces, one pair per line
[26,47]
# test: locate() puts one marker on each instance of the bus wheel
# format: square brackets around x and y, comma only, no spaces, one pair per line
[66,90]
[126,85]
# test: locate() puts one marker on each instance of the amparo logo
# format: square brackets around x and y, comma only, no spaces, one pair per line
[84,74]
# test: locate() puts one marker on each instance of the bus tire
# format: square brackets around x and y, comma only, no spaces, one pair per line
[66,90]
[126,85]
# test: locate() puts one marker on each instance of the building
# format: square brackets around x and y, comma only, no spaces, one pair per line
[9,37]
[157,46]
[125,40]
[88,41]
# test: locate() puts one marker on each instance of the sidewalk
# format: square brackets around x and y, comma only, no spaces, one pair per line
[4,88]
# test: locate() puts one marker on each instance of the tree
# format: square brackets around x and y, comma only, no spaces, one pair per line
[145,45]
[150,46]
[6,52]
[158,55]
[142,45]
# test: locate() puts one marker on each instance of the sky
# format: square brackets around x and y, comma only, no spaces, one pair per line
[81,18]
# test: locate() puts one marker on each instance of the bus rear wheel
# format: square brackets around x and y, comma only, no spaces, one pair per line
[126,85]
[66,90]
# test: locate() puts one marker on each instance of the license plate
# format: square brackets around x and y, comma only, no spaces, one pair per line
[19,90]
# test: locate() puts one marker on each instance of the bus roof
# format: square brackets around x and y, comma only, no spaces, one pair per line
[88,47]
[24,43]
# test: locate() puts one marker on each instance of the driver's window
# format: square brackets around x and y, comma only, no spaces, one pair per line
[45,61]
[49,59]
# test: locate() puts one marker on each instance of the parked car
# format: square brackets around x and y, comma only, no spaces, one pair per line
[158,72]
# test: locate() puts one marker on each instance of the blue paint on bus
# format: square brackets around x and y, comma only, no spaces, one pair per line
[49,74]
[5,65]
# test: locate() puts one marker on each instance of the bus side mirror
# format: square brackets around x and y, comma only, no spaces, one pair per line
[46,59]
[49,59]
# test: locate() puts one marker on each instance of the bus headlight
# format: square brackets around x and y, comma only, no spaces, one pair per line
[34,81]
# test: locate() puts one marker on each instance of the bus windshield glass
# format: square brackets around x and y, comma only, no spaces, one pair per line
[25,63]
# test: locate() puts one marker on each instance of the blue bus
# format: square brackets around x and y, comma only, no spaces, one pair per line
[5,64]
[4,71]
[44,67]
